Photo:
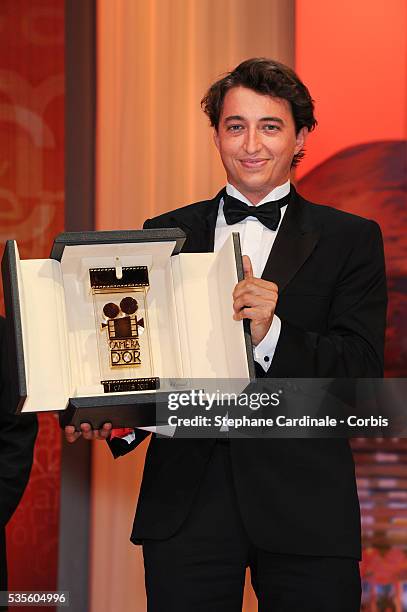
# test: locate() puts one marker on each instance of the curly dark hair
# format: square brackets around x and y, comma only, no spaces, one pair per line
[268,77]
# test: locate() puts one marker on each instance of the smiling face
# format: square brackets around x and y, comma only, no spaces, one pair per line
[257,141]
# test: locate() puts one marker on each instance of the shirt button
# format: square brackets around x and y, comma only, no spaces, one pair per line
[267,359]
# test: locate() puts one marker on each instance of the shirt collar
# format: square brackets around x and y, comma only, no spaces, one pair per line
[275,194]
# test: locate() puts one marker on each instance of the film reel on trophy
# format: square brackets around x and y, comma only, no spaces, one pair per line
[123,329]
[121,320]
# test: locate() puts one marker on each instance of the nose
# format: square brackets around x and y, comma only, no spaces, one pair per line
[252,143]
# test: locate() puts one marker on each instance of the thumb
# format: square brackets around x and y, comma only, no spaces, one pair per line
[247,267]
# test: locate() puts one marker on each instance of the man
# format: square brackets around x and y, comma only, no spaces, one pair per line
[315,295]
[17,437]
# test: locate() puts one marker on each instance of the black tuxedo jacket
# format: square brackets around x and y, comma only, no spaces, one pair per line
[17,437]
[296,496]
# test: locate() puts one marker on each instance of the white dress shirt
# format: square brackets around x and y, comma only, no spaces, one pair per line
[256,241]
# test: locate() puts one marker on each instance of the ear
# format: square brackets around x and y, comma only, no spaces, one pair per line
[300,139]
[216,138]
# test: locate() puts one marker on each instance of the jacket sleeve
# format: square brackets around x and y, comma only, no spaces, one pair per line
[17,437]
[120,447]
[353,343]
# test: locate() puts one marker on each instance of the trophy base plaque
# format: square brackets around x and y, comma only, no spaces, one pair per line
[135,384]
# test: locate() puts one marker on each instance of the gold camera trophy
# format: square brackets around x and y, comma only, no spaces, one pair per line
[125,356]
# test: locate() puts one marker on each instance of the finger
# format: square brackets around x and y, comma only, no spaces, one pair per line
[252,294]
[87,431]
[254,300]
[257,314]
[244,313]
[70,434]
[104,432]
[255,285]
[247,267]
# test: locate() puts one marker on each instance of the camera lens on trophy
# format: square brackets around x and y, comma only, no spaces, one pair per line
[128,305]
[111,310]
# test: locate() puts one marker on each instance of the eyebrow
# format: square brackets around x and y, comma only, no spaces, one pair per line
[240,118]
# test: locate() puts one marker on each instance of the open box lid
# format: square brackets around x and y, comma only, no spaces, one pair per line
[117,237]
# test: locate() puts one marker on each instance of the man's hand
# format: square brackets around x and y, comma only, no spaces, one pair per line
[255,299]
[87,432]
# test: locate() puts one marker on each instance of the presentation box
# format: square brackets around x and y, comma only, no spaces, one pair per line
[98,331]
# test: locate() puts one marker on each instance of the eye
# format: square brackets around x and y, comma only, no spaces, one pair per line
[234,127]
[270,127]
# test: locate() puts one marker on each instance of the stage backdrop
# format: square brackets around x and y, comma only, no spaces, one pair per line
[353,56]
[32,211]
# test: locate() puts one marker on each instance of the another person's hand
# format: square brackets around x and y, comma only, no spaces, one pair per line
[87,432]
[255,299]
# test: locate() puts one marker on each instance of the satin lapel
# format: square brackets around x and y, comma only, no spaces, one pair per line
[200,227]
[294,243]
[208,236]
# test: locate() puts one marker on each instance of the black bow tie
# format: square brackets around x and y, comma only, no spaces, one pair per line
[269,214]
